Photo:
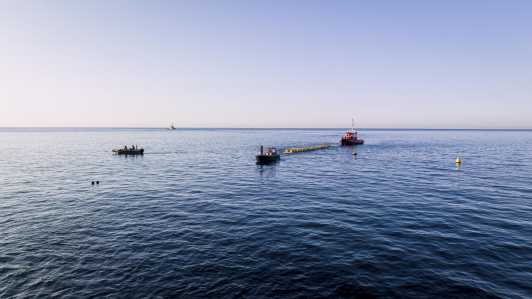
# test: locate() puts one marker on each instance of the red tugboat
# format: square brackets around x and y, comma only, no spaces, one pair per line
[351,138]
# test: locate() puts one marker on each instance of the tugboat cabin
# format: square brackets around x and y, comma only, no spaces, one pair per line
[351,135]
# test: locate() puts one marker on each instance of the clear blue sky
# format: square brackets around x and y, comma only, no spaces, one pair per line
[387,64]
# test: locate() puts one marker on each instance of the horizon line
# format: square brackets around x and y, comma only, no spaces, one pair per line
[269,128]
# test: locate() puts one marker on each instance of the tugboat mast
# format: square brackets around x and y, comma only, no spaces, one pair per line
[353,132]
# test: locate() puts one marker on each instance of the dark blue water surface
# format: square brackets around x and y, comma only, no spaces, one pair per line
[196,217]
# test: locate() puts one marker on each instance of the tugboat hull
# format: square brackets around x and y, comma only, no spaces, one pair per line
[351,142]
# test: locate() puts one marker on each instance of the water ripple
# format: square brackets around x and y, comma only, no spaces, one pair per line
[195,217]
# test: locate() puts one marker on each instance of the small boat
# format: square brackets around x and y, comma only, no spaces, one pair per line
[129,151]
[351,138]
[270,156]
[171,127]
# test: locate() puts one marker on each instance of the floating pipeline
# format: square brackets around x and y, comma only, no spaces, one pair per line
[304,149]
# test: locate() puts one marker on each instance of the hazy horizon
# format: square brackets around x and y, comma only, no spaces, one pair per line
[275,128]
[275,64]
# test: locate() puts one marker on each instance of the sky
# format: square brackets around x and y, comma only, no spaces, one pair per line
[266,64]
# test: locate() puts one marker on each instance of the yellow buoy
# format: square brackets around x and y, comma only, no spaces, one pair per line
[354,153]
[291,151]
[458,159]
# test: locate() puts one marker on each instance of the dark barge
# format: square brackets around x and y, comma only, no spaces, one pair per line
[129,151]
[270,156]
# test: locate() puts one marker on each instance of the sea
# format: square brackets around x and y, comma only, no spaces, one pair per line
[196,217]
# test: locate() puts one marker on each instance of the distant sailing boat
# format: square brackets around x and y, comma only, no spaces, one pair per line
[171,127]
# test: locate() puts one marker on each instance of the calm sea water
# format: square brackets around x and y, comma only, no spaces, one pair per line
[196,217]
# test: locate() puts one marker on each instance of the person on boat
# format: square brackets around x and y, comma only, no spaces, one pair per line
[132,147]
[261,150]
[125,147]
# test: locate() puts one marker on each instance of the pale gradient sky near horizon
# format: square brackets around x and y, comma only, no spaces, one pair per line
[251,64]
